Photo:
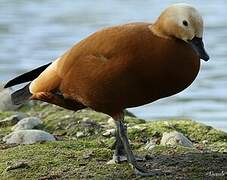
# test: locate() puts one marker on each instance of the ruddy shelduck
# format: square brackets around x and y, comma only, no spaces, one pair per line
[121,67]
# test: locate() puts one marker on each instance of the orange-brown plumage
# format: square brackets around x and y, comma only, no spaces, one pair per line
[127,66]
[124,66]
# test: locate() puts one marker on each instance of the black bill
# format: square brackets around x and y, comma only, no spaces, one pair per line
[198,46]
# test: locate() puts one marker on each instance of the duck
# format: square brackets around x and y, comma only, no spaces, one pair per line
[121,67]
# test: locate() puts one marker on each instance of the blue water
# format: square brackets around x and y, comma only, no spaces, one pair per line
[33,33]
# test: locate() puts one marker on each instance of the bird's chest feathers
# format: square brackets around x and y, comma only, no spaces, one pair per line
[167,74]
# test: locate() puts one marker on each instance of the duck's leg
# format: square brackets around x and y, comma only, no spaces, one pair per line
[130,156]
[119,152]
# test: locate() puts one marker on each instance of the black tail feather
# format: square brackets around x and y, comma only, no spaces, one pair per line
[26,77]
[20,96]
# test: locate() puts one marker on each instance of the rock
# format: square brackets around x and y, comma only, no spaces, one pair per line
[28,137]
[111,122]
[12,120]
[5,100]
[80,134]
[27,123]
[151,144]
[175,138]
[17,165]
[205,141]
[109,133]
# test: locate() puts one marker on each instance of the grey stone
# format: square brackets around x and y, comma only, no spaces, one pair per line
[111,122]
[80,134]
[18,165]
[109,133]
[27,123]
[28,137]
[151,144]
[175,138]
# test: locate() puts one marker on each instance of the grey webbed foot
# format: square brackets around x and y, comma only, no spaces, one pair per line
[140,171]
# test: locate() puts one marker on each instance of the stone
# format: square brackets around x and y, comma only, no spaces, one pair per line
[27,123]
[151,144]
[28,137]
[5,100]
[12,120]
[175,138]
[80,134]
[205,141]
[111,122]
[109,133]
[18,165]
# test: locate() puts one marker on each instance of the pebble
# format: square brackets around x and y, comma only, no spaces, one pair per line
[175,138]
[28,137]
[27,123]
[205,141]
[109,133]
[111,122]
[80,134]
[151,144]
[17,165]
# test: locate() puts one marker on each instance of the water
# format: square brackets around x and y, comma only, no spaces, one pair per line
[33,33]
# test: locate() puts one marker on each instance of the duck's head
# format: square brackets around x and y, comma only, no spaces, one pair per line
[184,22]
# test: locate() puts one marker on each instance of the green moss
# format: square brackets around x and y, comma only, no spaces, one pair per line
[85,158]
[77,159]
[5,114]
[219,146]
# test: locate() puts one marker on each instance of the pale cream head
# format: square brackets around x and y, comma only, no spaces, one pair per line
[181,21]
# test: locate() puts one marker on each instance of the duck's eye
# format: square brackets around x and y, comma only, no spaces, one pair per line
[185,23]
